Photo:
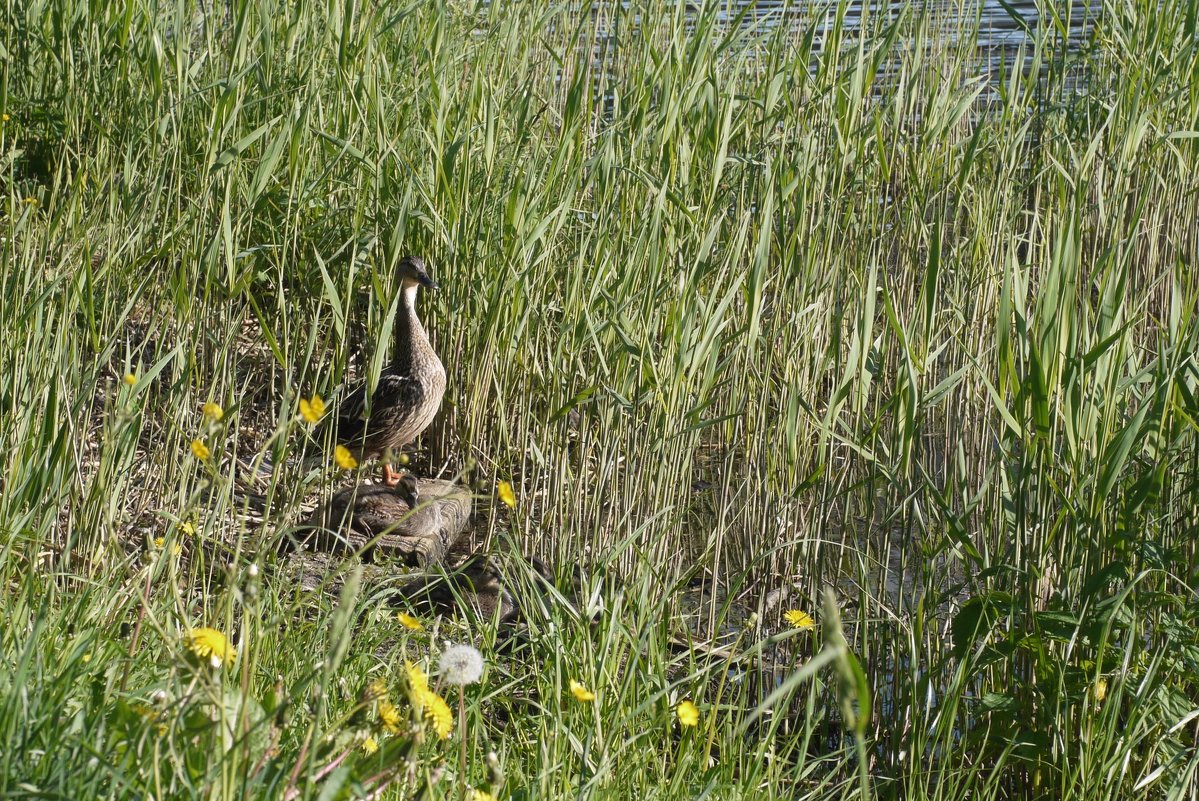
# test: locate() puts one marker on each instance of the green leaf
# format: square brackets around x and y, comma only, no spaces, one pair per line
[228,155]
[1060,626]
[975,620]
[334,783]
[1116,454]
[999,702]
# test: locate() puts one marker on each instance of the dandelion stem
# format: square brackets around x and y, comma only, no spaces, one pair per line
[462,742]
[137,627]
[332,766]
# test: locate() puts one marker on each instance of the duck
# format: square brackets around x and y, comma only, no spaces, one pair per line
[478,586]
[410,389]
[415,520]
[366,512]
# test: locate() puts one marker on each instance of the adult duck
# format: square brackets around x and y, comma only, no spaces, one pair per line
[408,395]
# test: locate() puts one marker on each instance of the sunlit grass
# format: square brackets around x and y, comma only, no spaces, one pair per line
[854,370]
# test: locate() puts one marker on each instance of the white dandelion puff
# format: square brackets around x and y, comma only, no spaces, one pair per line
[461,664]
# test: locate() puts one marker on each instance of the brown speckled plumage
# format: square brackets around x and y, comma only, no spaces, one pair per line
[410,389]
[478,586]
[418,520]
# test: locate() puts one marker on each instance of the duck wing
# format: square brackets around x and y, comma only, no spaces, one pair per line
[404,393]
[396,397]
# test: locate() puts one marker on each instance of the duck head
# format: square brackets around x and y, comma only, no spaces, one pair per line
[412,272]
[408,489]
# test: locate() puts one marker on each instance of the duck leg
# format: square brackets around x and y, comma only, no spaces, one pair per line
[391,476]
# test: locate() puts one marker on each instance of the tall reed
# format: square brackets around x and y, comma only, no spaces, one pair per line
[749,302]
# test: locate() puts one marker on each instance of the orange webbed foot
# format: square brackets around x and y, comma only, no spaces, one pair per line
[391,476]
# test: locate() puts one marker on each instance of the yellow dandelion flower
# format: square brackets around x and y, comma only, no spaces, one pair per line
[580,692]
[200,450]
[312,409]
[88,658]
[4,118]
[213,411]
[210,644]
[370,746]
[375,690]
[188,528]
[403,459]
[688,713]
[30,201]
[799,619]
[130,379]
[504,491]
[437,712]
[417,680]
[389,716]
[345,460]
[481,795]
[159,542]
[409,622]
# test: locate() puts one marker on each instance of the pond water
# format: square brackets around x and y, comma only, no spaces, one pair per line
[1005,31]
[1003,25]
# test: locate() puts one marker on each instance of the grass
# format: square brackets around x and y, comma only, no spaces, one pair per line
[753,317]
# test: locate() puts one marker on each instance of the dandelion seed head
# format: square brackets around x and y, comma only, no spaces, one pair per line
[461,664]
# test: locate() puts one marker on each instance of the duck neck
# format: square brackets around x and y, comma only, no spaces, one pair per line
[411,340]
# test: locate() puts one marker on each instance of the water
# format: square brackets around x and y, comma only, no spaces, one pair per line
[1004,37]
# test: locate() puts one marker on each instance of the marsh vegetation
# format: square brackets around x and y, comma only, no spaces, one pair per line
[853,366]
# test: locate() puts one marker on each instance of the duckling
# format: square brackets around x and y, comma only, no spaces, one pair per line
[392,520]
[478,586]
[410,389]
